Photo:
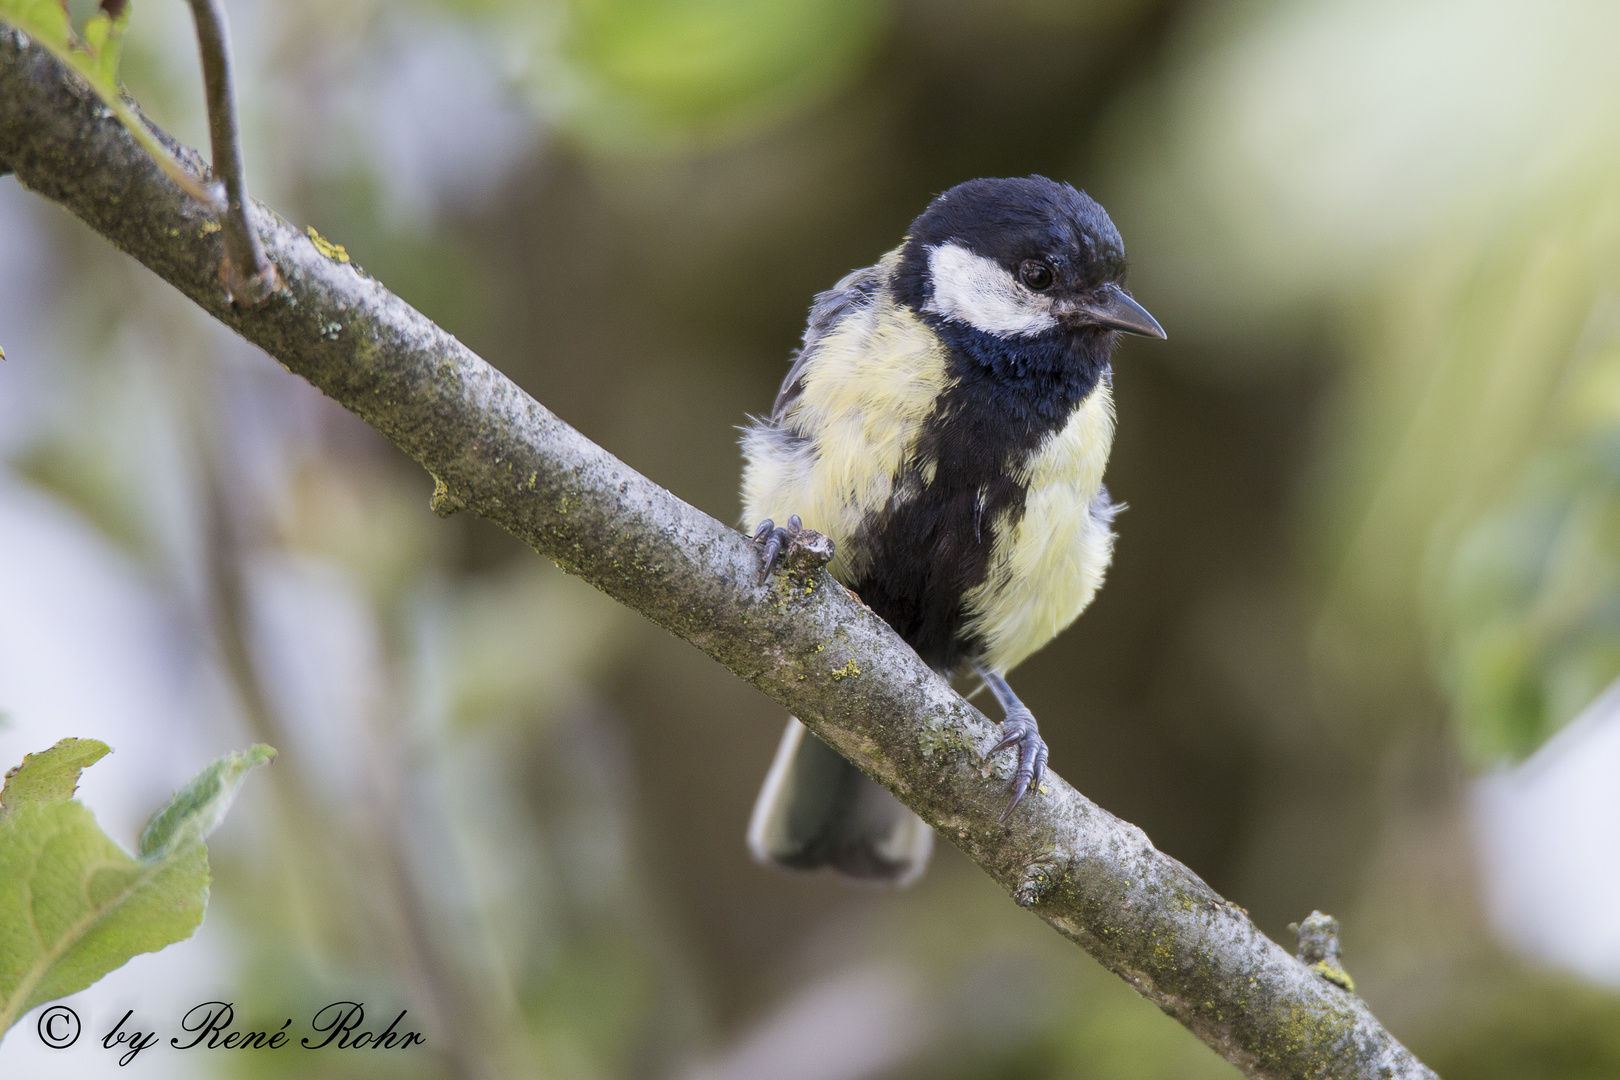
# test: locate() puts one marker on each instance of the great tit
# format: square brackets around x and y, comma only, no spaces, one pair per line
[946,422]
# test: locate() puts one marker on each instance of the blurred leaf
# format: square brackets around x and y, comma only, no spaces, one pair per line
[45,20]
[1526,589]
[90,483]
[1274,170]
[1481,500]
[73,904]
[1458,214]
[1530,630]
[197,809]
[104,42]
[50,775]
[651,72]
[95,58]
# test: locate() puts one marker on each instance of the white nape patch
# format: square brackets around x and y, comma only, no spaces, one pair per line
[978,291]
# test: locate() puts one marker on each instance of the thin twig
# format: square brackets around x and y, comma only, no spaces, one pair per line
[250,278]
[810,646]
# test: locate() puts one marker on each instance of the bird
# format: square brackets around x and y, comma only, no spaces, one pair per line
[946,421]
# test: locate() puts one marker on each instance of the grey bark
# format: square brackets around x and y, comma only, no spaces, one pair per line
[805,642]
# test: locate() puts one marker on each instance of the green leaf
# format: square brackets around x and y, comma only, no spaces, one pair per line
[50,775]
[104,41]
[73,904]
[198,808]
[46,21]
[95,58]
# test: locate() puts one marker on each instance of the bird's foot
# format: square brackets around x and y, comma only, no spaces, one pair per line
[801,549]
[776,539]
[1020,730]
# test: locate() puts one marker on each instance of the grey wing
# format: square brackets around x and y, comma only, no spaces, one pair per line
[852,293]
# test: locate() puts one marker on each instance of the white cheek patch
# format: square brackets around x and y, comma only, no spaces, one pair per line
[975,290]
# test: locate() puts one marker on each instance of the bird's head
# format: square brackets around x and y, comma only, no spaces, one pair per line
[1020,258]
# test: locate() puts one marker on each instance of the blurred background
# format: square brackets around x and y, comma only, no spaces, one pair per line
[1353,653]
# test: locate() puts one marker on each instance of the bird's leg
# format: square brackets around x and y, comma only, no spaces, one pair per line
[1018,729]
[775,539]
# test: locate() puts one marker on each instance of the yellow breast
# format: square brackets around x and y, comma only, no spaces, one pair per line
[1045,569]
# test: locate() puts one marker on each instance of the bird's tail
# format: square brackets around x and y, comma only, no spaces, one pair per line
[816,809]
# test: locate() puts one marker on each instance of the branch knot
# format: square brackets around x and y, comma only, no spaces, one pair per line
[1319,949]
[808,552]
[1037,881]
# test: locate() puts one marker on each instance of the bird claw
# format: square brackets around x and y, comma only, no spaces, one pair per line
[1019,730]
[776,540]
[798,550]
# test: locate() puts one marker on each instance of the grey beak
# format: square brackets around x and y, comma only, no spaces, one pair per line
[1110,307]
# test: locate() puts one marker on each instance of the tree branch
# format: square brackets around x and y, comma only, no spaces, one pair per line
[807,644]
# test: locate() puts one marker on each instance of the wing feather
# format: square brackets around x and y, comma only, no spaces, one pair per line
[852,293]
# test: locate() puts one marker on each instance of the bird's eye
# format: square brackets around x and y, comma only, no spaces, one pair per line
[1036,274]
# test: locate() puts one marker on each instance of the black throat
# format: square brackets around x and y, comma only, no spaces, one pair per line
[961,491]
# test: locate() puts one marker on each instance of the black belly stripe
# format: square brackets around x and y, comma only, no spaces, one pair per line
[921,555]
